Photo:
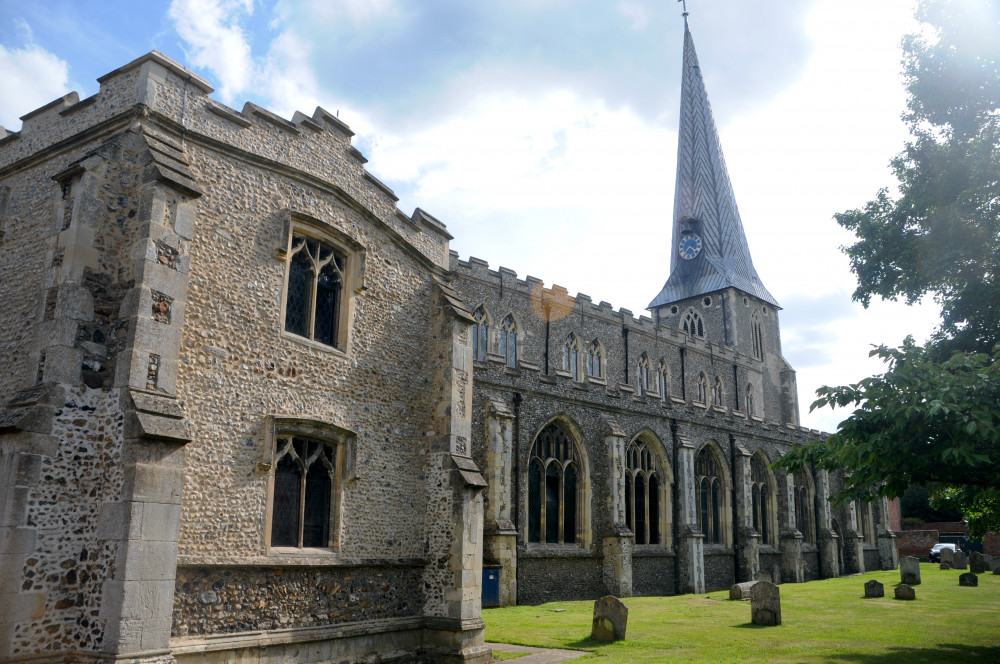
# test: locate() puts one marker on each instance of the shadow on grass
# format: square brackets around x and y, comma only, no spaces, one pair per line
[944,652]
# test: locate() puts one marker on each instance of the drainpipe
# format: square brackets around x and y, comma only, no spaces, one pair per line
[736,525]
[516,452]
[625,337]
[683,381]
[675,492]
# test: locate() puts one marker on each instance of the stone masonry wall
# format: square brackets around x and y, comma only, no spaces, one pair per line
[210,600]
[70,559]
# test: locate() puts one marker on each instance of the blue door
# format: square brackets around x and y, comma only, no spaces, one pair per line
[491,586]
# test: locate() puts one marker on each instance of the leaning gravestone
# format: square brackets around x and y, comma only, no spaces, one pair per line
[903,591]
[948,556]
[610,619]
[765,604]
[968,579]
[741,590]
[909,570]
[945,565]
[874,589]
[977,563]
[960,561]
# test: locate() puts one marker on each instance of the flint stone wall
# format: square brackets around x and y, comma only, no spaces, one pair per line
[210,600]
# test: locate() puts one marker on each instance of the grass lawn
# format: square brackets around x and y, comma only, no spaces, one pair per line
[822,621]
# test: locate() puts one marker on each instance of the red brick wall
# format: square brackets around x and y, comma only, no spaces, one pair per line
[895,515]
[916,542]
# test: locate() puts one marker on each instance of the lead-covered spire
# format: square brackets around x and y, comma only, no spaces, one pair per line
[709,251]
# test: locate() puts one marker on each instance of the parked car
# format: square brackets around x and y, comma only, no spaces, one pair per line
[935,554]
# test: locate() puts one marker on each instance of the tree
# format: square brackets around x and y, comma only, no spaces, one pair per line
[933,417]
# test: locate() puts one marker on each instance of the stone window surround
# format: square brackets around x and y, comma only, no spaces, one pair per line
[725,494]
[298,223]
[584,489]
[771,509]
[279,426]
[665,479]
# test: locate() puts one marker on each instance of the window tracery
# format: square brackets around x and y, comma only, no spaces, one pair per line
[313,302]
[643,511]
[717,392]
[642,375]
[595,360]
[553,487]
[760,492]
[571,356]
[508,341]
[757,335]
[708,480]
[693,325]
[480,334]
[663,378]
[703,388]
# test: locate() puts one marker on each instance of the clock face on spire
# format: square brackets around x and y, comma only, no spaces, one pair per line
[689,246]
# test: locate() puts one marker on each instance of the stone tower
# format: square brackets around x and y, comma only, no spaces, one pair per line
[713,286]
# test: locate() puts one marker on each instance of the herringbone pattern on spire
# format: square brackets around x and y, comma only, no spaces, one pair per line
[703,192]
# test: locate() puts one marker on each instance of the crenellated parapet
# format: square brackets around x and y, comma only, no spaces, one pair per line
[316,147]
[546,315]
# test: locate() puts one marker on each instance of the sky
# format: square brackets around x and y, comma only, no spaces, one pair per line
[543,132]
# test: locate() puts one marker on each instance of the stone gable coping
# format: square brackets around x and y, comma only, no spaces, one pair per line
[61,103]
[378,183]
[169,64]
[78,106]
[251,109]
[422,217]
[227,113]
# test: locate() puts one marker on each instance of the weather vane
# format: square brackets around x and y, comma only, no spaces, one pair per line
[684,6]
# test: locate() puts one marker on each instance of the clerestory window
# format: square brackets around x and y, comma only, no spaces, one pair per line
[480,334]
[508,341]
[693,325]
[571,356]
[717,392]
[642,385]
[595,360]
[663,378]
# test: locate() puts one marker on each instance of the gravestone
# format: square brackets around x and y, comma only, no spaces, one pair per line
[960,561]
[741,590]
[968,579]
[909,570]
[903,591]
[610,619]
[948,556]
[977,563]
[945,565]
[874,589]
[765,604]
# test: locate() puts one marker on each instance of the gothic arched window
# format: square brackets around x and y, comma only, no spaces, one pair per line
[480,334]
[710,492]
[757,335]
[663,378]
[554,486]
[750,404]
[865,528]
[692,324]
[717,393]
[760,492]
[805,508]
[642,375]
[508,341]
[571,356]
[703,388]
[316,276]
[595,360]
[305,479]
[643,494]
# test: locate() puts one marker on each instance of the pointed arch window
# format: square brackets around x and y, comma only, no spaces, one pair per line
[750,403]
[693,325]
[761,493]
[663,378]
[708,480]
[644,495]
[480,334]
[316,276]
[303,489]
[865,528]
[717,392]
[508,341]
[757,335]
[642,375]
[553,487]
[805,515]
[703,388]
[571,356]
[595,360]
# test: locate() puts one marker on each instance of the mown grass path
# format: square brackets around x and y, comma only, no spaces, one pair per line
[822,621]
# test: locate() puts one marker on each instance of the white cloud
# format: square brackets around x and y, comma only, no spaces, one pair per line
[30,77]
[638,14]
[217,41]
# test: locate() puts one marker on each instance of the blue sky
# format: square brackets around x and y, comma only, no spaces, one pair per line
[542,132]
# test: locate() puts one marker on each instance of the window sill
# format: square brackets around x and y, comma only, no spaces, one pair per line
[309,343]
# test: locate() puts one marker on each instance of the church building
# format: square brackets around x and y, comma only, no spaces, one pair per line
[252,411]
